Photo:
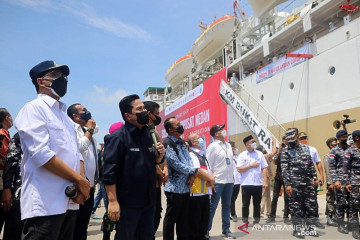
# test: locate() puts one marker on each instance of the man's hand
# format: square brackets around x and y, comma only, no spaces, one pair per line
[322,179]
[91,124]
[348,188]
[337,185]
[331,187]
[6,200]
[165,175]
[80,199]
[160,149]
[288,190]
[114,211]
[212,182]
[191,180]
[254,164]
[343,124]
[265,185]
[315,183]
[83,187]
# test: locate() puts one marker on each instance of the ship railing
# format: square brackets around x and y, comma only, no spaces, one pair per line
[260,112]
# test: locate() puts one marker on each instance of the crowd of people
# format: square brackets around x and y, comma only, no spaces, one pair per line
[51,165]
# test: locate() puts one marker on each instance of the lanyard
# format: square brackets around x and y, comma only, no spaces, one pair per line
[225,149]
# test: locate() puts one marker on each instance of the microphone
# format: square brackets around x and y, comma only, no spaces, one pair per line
[153,134]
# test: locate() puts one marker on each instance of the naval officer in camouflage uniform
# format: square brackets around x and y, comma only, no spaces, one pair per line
[336,158]
[351,171]
[299,178]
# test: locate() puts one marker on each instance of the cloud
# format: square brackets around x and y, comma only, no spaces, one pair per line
[88,15]
[40,5]
[103,95]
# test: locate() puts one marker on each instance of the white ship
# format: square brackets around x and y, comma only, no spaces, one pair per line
[296,68]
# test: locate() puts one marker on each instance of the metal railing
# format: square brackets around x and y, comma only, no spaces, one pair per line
[261,114]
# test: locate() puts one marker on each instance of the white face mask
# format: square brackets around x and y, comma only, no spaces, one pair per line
[223,133]
[253,145]
[236,151]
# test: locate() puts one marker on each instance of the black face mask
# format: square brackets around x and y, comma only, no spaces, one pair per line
[344,142]
[142,118]
[292,143]
[85,116]
[180,129]
[59,86]
[157,120]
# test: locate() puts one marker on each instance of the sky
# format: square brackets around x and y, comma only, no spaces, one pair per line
[113,48]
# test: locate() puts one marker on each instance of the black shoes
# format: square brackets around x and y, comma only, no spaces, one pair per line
[229,234]
[298,234]
[319,225]
[331,222]
[287,221]
[234,218]
[270,220]
[342,228]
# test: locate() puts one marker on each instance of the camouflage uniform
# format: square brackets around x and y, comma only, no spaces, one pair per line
[336,158]
[330,195]
[352,176]
[299,172]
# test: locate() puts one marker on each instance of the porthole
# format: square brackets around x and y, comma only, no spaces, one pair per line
[332,70]
[291,86]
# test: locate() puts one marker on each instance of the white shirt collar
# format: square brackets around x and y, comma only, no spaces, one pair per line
[52,102]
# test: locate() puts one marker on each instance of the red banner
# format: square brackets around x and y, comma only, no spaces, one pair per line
[199,109]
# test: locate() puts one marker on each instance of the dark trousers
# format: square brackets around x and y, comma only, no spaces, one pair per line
[13,224]
[277,187]
[330,203]
[177,206]
[83,217]
[2,214]
[158,210]
[54,227]
[256,193]
[236,190]
[199,211]
[135,223]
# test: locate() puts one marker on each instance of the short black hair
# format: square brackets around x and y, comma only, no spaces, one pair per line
[330,140]
[151,106]
[125,104]
[167,124]
[3,114]
[232,143]
[72,109]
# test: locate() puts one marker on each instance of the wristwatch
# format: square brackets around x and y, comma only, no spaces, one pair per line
[91,131]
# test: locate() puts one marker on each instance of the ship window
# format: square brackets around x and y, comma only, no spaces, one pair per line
[332,70]
[262,97]
[291,86]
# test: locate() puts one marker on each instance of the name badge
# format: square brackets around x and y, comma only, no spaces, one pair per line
[134,150]
[227,161]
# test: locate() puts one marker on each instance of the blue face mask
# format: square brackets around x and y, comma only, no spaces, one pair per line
[201,142]
[86,116]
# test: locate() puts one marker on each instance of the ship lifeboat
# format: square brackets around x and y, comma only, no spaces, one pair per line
[179,70]
[213,38]
[261,7]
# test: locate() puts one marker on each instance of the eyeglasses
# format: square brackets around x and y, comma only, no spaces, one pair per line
[53,75]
